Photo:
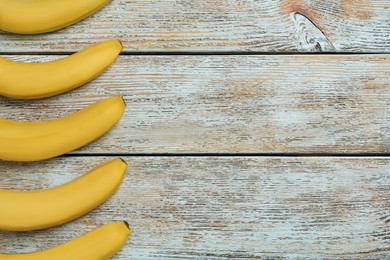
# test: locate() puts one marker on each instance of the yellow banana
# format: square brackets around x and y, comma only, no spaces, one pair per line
[23,80]
[40,16]
[99,244]
[33,210]
[34,141]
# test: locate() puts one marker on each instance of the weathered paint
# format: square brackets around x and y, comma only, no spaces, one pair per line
[217,104]
[223,25]
[227,207]
[268,207]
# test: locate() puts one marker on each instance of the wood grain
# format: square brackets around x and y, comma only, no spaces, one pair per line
[227,207]
[229,104]
[224,26]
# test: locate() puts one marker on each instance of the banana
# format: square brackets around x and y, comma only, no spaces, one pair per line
[34,141]
[23,80]
[41,16]
[33,210]
[99,244]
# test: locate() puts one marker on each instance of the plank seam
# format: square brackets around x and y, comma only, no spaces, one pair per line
[229,154]
[225,53]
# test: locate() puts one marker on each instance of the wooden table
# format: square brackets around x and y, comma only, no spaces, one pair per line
[253,129]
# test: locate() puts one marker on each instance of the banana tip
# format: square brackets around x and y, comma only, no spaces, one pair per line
[120,43]
[124,102]
[127,224]
[123,161]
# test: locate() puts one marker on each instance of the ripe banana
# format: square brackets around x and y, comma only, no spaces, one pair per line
[33,210]
[24,80]
[40,16]
[99,244]
[34,141]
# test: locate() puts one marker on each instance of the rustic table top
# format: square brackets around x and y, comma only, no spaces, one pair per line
[253,129]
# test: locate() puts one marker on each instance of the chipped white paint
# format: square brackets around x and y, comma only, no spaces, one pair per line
[224,25]
[246,207]
[320,104]
[229,207]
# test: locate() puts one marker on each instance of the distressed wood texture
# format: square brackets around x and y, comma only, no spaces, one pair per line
[223,104]
[230,207]
[228,25]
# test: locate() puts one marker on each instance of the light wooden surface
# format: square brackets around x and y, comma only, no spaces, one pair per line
[228,207]
[253,155]
[216,104]
[225,25]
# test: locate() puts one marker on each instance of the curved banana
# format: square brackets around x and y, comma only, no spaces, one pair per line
[99,244]
[33,210]
[41,16]
[23,80]
[34,141]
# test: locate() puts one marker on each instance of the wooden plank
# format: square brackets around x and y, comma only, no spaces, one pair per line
[224,26]
[214,104]
[229,207]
